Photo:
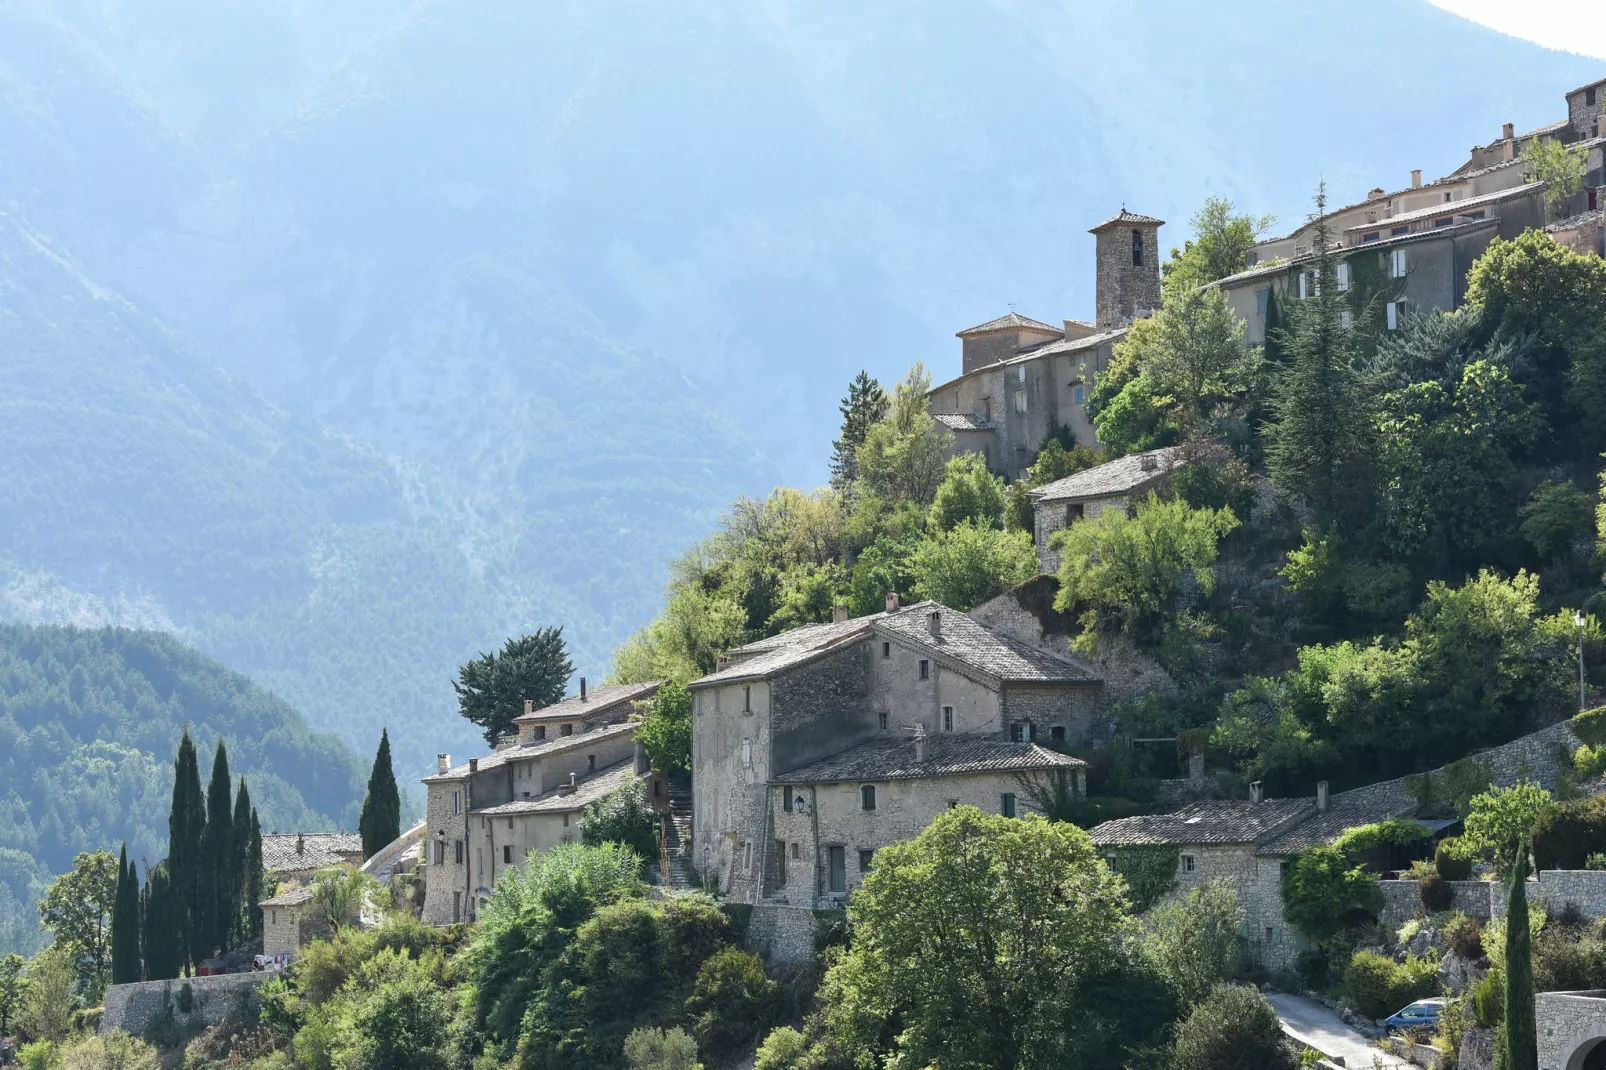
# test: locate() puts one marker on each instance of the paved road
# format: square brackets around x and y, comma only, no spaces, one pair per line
[1315,1026]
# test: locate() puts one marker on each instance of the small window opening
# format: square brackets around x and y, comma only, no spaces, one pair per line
[886,650]
[1137,248]
[507,854]
[867,797]
[1006,804]
[882,717]
[865,858]
[1187,863]
[925,669]
[947,718]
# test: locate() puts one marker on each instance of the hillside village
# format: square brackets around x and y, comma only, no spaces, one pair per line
[866,713]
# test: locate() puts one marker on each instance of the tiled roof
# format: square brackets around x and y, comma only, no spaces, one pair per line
[765,657]
[1124,218]
[1070,345]
[1586,85]
[946,755]
[1342,251]
[1450,208]
[977,647]
[293,898]
[1213,821]
[1341,814]
[318,849]
[596,702]
[1009,321]
[526,751]
[1582,218]
[589,790]
[1121,475]
[963,421]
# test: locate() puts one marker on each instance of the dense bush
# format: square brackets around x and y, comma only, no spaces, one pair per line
[1234,1027]
[1463,936]
[1450,865]
[660,1049]
[733,1002]
[784,1049]
[1435,892]
[1378,986]
[624,816]
[1567,835]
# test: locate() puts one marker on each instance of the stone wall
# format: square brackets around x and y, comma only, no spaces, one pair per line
[1072,709]
[1402,900]
[782,934]
[1555,889]
[131,1007]
[445,878]
[1123,289]
[1571,1025]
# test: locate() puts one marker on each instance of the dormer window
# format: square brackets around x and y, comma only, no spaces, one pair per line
[566,730]
[540,732]
[1137,247]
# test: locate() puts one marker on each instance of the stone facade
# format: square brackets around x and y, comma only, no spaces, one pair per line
[1572,1029]
[1584,110]
[281,928]
[782,933]
[131,1007]
[1056,516]
[1127,253]
[1402,900]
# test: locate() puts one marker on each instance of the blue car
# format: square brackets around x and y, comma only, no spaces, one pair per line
[1422,1013]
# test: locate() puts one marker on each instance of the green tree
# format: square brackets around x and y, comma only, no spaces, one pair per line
[665,728]
[1324,890]
[1557,519]
[1521,1032]
[492,688]
[1194,940]
[984,939]
[1501,821]
[1219,247]
[623,816]
[125,923]
[1233,1027]
[733,1002]
[161,931]
[1192,352]
[186,834]
[865,406]
[254,876]
[1122,572]
[238,905]
[380,823]
[220,894]
[1533,283]
[1560,167]
[401,1020]
[966,566]
[13,986]
[340,893]
[968,492]
[661,1049]
[78,909]
[784,1049]
[1319,439]
[48,1005]
[904,456]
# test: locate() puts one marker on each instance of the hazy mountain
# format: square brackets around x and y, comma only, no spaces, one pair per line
[401,325]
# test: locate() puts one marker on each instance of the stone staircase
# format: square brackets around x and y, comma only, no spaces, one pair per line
[680,875]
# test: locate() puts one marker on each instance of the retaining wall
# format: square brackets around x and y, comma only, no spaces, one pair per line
[131,1007]
[1402,900]
[781,934]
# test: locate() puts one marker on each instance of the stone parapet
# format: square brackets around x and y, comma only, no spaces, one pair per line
[131,1007]
[1402,900]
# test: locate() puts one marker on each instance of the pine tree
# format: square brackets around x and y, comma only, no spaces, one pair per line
[1522,1035]
[380,823]
[125,923]
[163,936]
[1319,440]
[254,878]
[217,854]
[491,689]
[239,866]
[186,828]
[866,404]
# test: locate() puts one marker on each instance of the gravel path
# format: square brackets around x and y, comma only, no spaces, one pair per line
[1315,1026]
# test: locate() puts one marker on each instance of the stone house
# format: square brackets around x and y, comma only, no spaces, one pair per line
[804,703]
[294,857]
[282,919]
[1021,379]
[1088,493]
[472,833]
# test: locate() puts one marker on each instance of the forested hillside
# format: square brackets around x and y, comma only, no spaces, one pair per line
[89,723]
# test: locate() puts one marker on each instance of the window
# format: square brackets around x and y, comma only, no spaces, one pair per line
[440,852]
[1020,375]
[1020,400]
[566,730]
[795,852]
[1109,860]
[1057,733]
[1343,275]
[1371,236]
[1078,395]
[1282,869]
[457,852]
[1594,201]
[591,763]
[1187,863]
[507,854]
[867,797]
[1006,804]
[1444,221]
[1262,301]
[747,700]
[540,732]
[457,802]
[882,717]
[886,650]
[1397,231]
[1344,318]
[1023,732]
[657,787]
[925,669]
[457,907]
[747,855]
[947,718]
[1396,312]
[747,753]
[1304,285]
[510,822]
[1073,513]
[1137,248]
[1449,195]
[479,861]
[1474,215]
[1397,264]
[786,799]
[865,858]
[953,803]
[838,867]
[565,820]
[1589,97]
[1271,935]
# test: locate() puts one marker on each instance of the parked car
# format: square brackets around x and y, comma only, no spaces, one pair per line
[1424,1013]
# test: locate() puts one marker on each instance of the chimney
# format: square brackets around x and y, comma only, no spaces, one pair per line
[569,788]
[1256,792]
[1508,132]
[582,689]
[839,613]
[1321,796]
[1148,462]
[529,706]
[1508,151]
[920,743]
[473,765]
[722,662]
[1371,215]
[892,601]
[934,623]
[643,766]
[301,844]
[1416,178]
[443,763]
[1375,193]
[1196,766]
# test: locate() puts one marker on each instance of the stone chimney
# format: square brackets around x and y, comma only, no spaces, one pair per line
[1416,178]
[1508,150]
[839,613]
[443,764]
[1148,462]
[529,706]
[892,601]
[1256,792]
[1321,796]
[1508,132]
[643,766]
[722,662]
[1376,193]
[473,765]
[582,689]
[920,743]
[569,788]
[301,844]
[1196,766]
[934,623]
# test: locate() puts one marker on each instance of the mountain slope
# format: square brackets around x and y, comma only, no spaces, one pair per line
[89,724]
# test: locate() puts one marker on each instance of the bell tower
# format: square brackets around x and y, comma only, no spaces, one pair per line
[1127,251]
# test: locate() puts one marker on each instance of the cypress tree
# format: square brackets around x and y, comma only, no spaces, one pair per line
[217,854]
[239,862]
[125,923]
[380,823]
[163,938]
[1522,1034]
[186,828]
[253,878]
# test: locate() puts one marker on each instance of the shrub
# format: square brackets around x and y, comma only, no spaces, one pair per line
[1489,1000]
[114,1051]
[1596,861]
[661,1049]
[1446,860]
[1568,960]
[733,1001]
[624,816]
[40,1055]
[1436,893]
[1233,1027]
[1463,936]
[783,1049]
[1378,986]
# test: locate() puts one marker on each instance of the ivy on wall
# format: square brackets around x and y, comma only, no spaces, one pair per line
[1150,871]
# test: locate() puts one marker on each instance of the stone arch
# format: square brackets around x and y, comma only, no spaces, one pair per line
[1589,1054]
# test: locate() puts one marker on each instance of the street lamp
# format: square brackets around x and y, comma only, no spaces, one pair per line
[1578,619]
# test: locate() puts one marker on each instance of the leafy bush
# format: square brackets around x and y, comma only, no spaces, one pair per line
[1463,936]
[40,1055]
[1378,986]
[734,1000]
[661,1049]
[1569,833]
[1435,892]
[1450,864]
[1596,861]
[1489,999]
[784,1049]
[1568,959]
[1323,892]
[624,816]
[1194,941]
[1233,1027]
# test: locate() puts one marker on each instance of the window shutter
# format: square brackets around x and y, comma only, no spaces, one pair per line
[1393,315]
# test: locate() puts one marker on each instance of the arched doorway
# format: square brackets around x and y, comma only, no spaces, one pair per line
[1590,1055]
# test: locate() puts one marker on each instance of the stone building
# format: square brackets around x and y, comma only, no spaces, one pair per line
[294,857]
[850,699]
[486,815]
[1571,1029]
[1021,380]
[1088,493]
[282,919]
